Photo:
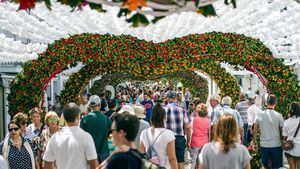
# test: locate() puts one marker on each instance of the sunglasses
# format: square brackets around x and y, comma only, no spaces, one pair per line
[13,129]
[54,120]
[111,131]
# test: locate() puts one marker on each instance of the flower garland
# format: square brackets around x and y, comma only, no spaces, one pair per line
[125,54]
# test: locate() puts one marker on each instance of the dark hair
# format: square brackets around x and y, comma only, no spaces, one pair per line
[158,116]
[13,122]
[196,101]
[71,112]
[112,103]
[294,109]
[242,97]
[128,123]
[272,100]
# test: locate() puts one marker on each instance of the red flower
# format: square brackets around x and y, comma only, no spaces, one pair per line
[26,4]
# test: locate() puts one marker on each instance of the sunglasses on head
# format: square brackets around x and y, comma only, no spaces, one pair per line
[52,120]
[13,129]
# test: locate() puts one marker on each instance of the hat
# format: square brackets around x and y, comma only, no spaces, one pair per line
[127,108]
[172,94]
[139,112]
[94,100]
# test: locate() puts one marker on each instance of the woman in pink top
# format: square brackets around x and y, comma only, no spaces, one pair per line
[200,131]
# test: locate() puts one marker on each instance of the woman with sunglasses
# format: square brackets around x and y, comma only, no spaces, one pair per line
[17,150]
[51,120]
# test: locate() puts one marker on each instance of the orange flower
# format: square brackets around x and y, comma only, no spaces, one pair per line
[133,4]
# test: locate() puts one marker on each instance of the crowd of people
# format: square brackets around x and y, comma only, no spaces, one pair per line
[156,126]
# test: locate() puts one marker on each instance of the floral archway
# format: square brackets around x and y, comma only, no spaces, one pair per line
[127,54]
[197,84]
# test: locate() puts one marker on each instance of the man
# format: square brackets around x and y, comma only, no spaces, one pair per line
[148,104]
[124,130]
[103,102]
[140,114]
[71,147]
[216,109]
[252,112]
[187,97]
[226,102]
[178,120]
[84,104]
[242,107]
[269,123]
[180,101]
[97,124]
[112,105]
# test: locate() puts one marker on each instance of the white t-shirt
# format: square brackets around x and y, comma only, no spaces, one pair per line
[289,128]
[252,112]
[269,122]
[160,145]
[71,148]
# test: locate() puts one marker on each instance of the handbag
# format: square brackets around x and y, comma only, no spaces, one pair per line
[289,144]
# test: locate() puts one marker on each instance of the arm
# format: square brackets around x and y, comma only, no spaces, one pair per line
[93,163]
[172,155]
[142,148]
[201,166]
[248,166]
[48,165]
[255,130]
[188,134]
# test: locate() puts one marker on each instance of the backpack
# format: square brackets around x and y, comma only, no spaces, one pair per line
[146,164]
[151,154]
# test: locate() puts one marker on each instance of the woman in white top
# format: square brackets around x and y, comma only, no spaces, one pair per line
[289,128]
[225,152]
[164,144]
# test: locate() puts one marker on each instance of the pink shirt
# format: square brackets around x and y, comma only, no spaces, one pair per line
[200,133]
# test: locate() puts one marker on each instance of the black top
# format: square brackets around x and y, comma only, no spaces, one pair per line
[109,113]
[125,160]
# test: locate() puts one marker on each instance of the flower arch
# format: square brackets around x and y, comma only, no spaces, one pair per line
[197,84]
[127,54]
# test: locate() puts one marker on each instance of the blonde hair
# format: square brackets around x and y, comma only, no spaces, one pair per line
[20,118]
[226,132]
[51,114]
[35,110]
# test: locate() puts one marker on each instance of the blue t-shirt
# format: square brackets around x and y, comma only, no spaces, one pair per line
[148,104]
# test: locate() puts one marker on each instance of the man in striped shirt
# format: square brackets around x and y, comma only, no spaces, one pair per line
[242,107]
[178,120]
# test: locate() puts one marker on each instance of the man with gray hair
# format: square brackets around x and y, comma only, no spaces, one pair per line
[226,102]
[216,108]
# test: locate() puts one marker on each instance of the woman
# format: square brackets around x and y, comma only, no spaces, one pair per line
[22,119]
[289,128]
[51,120]
[36,125]
[225,152]
[161,139]
[200,133]
[17,150]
